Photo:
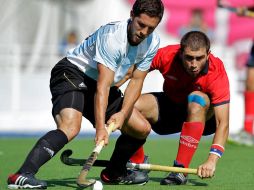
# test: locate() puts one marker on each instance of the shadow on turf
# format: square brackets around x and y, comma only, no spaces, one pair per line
[71,182]
[193,182]
[66,182]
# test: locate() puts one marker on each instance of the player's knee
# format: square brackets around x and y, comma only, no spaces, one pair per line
[197,102]
[70,127]
[146,129]
[142,131]
[70,131]
[69,121]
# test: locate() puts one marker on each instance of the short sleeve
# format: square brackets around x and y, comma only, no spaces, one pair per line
[106,51]
[145,64]
[219,88]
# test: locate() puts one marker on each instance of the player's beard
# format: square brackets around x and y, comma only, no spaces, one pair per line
[133,38]
[191,71]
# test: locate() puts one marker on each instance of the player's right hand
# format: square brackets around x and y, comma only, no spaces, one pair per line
[118,118]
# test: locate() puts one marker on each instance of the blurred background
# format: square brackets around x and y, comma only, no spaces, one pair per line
[35,35]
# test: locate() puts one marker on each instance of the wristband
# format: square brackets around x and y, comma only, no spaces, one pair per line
[217,150]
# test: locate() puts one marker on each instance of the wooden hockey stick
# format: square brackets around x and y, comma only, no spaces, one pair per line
[153,167]
[66,159]
[81,180]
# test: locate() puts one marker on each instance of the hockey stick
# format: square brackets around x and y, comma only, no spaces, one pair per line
[81,180]
[234,9]
[153,167]
[67,160]
[103,163]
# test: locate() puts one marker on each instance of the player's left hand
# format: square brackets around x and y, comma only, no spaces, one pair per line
[118,118]
[207,169]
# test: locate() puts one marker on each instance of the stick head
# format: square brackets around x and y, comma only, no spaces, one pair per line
[65,155]
[84,183]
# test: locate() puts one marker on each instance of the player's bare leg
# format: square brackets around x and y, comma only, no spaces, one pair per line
[192,130]
[150,112]
[68,125]
[69,121]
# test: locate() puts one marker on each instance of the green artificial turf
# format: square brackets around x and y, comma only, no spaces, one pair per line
[235,170]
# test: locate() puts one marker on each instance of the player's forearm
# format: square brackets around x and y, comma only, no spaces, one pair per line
[131,95]
[221,134]
[101,102]
[219,140]
[222,129]
[105,79]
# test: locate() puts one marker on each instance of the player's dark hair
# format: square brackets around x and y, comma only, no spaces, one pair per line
[153,8]
[195,40]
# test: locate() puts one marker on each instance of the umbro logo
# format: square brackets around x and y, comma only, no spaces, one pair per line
[190,139]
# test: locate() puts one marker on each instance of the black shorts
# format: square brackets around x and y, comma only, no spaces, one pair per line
[172,116]
[71,88]
[250,62]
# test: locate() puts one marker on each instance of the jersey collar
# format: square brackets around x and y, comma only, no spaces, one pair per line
[205,69]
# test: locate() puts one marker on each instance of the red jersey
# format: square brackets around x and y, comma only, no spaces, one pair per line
[178,84]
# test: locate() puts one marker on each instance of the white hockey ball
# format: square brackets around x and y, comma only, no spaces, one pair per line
[97,186]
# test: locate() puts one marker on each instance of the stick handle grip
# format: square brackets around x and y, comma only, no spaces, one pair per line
[174,169]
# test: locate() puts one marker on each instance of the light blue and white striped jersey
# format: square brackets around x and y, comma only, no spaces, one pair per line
[109,46]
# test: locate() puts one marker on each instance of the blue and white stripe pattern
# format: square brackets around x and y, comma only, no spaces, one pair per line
[217,150]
